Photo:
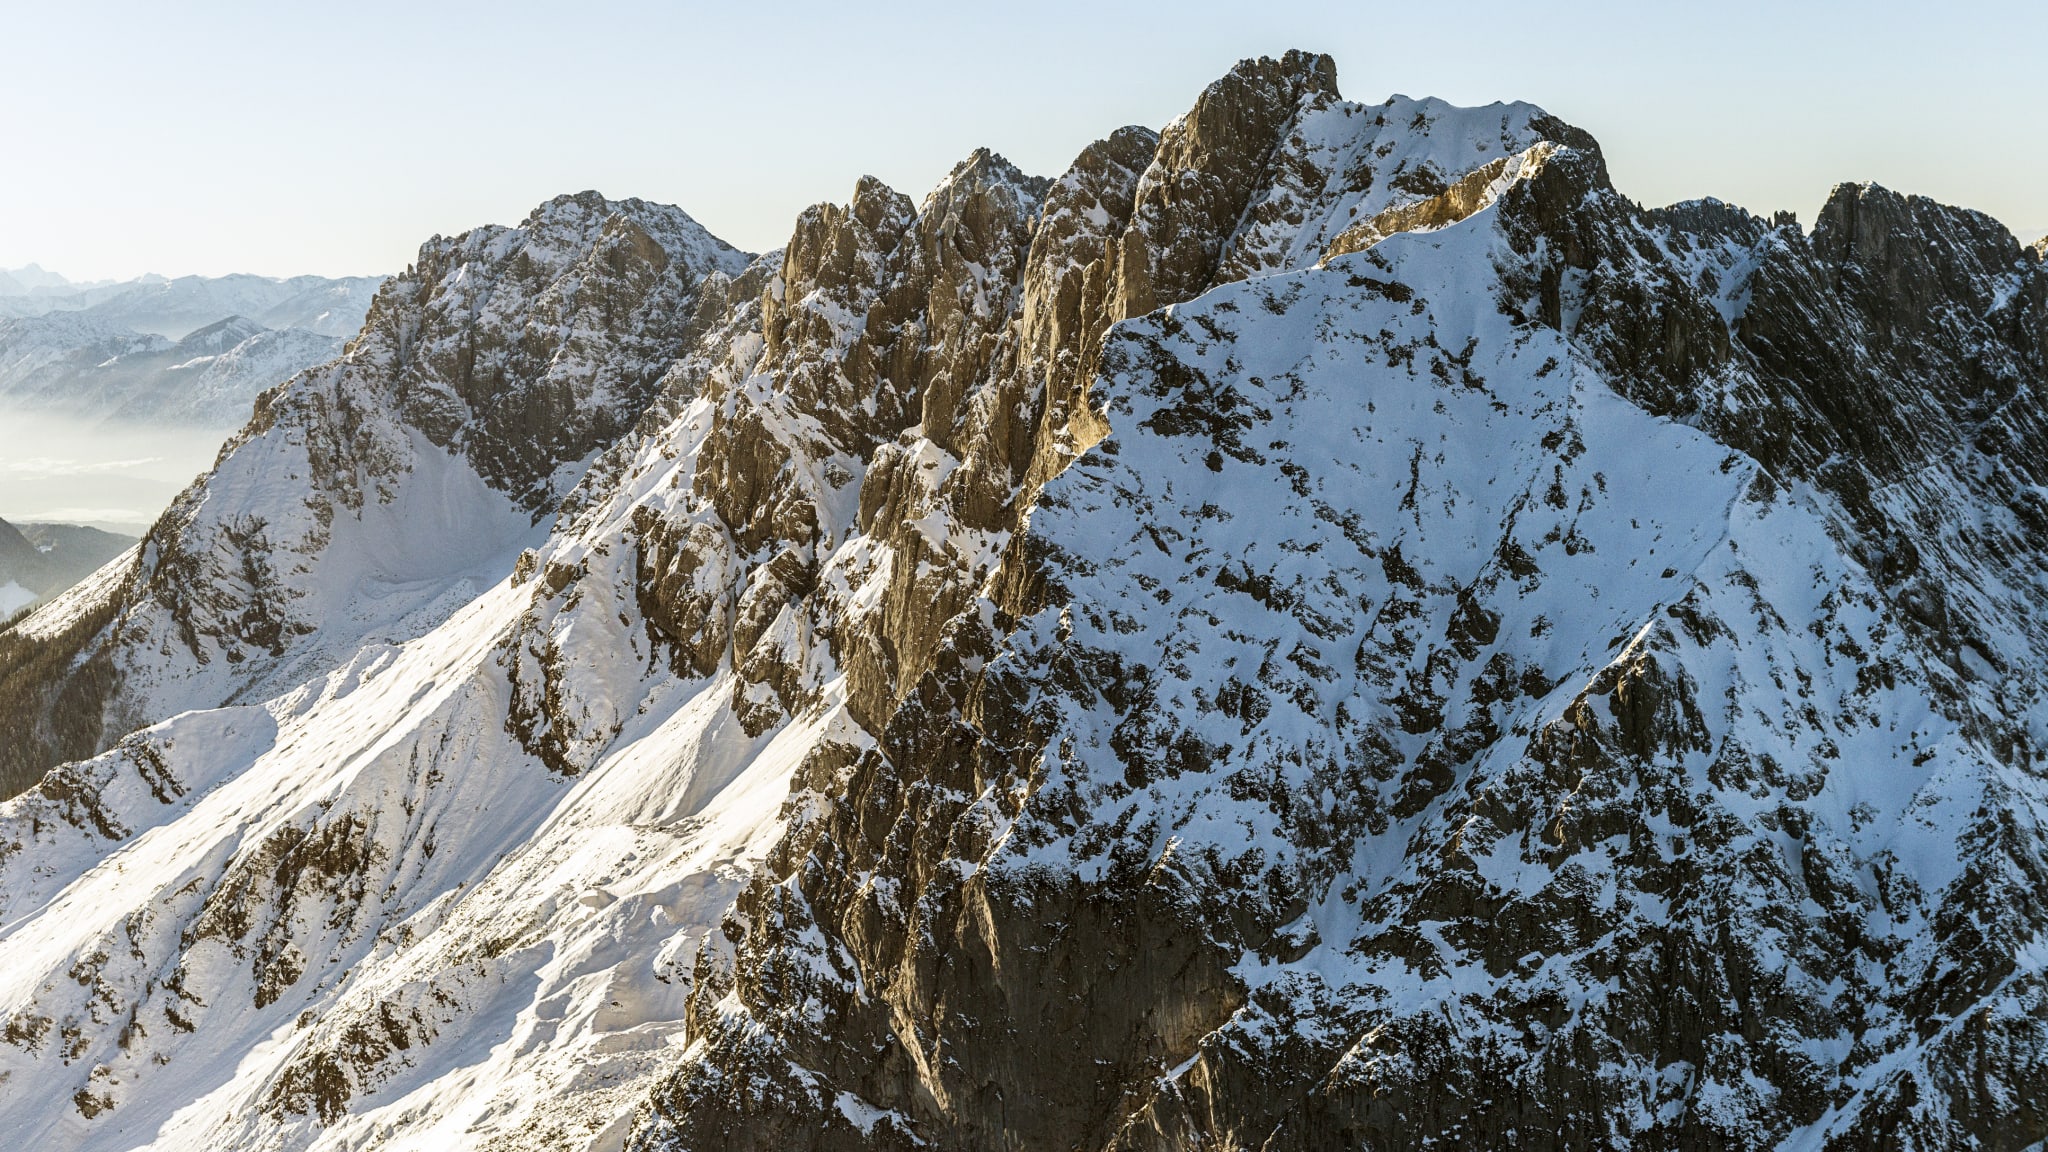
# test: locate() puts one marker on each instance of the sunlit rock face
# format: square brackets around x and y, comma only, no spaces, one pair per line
[1321,626]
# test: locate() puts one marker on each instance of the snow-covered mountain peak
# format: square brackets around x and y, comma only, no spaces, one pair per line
[524,349]
[371,497]
[35,278]
[984,168]
[1323,626]
[220,335]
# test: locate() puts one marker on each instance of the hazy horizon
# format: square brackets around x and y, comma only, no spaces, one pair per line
[280,143]
[111,474]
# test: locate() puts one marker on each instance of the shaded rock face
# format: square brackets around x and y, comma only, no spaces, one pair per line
[1205,171]
[1322,626]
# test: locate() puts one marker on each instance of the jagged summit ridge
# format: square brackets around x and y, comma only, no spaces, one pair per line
[1109,662]
[550,335]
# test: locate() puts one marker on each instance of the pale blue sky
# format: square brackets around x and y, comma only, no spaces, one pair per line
[281,138]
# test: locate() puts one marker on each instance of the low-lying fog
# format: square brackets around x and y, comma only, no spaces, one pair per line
[114,476]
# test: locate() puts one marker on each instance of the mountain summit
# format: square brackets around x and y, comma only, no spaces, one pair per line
[1324,625]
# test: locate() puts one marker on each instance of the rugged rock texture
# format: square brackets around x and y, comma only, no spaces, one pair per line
[1323,626]
[1538,773]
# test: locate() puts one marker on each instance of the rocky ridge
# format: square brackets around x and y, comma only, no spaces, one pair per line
[1325,625]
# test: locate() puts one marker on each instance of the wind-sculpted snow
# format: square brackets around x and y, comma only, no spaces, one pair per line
[1347,173]
[1322,626]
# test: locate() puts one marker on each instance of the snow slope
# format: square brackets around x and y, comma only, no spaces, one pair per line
[539,930]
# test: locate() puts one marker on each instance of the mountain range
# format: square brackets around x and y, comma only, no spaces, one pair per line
[35,280]
[193,350]
[79,364]
[1325,625]
[172,308]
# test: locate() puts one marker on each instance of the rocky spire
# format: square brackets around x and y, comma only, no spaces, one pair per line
[1208,165]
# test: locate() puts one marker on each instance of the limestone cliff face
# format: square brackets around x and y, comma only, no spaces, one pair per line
[1322,626]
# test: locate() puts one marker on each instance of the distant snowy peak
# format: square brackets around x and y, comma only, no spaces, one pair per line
[328,307]
[220,335]
[193,350]
[28,344]
[85,365]
[176,307]
[32,276]
[34,279]
[218,387]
